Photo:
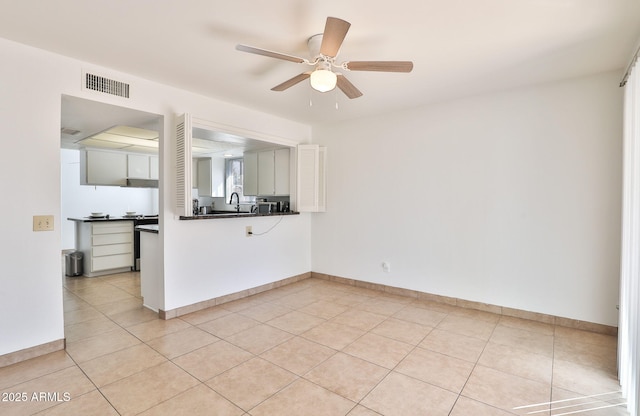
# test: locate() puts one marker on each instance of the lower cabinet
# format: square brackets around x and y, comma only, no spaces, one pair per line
[107,247]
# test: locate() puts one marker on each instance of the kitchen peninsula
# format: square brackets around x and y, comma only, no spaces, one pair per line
[151,287]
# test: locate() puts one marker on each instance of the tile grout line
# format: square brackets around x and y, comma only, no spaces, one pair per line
[473,369]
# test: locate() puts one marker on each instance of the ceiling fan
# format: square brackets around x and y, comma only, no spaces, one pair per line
[324,48]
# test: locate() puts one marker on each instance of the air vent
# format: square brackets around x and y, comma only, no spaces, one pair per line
[70,132]
[106,85]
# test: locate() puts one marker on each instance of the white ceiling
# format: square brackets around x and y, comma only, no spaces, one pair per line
[459,47]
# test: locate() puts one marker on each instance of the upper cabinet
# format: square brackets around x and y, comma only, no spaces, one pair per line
[142,166]
[282,171]
[210,178]
[103,168]
[267,172]
[113,168]
[250,174]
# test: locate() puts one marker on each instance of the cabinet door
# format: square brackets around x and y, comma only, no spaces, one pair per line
[138,166]
[111,262]
[250,174]
[105,168]
[281,173]
[204,177]
[210,176]
[217,177]
[266,166]
[311,182]
[154,167]
[322,179]
[194,173]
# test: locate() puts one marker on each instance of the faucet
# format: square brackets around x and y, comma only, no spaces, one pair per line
[237,199]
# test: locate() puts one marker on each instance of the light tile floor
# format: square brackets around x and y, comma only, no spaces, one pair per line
[310,348]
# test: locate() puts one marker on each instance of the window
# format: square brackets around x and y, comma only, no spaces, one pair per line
[234,175]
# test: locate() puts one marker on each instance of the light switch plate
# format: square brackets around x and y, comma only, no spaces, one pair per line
[43,223]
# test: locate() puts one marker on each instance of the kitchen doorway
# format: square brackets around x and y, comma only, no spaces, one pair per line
[86,124]
[91,126]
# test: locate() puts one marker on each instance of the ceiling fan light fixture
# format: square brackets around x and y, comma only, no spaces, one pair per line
[323,80]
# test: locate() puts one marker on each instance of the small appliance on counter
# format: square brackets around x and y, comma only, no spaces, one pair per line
[267,207]
[195,207]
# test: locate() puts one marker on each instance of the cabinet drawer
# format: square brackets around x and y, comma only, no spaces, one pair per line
[112,249]
[111,262]
[100,240]
[113,227]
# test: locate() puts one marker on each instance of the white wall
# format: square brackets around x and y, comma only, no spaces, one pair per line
[511,199]
[80,200]
[31,282]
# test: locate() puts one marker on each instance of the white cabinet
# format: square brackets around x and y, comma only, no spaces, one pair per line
[266,167]
[103,168]
[312,189]
[210,178]
[194,173]
[107,246]
[138,166]
[250,174]
[110,168]
[154,167]
[282,168]
[142,166]
[267,172]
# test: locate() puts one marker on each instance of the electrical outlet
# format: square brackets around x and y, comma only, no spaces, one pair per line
[248,231]
[386,267]
[43,223]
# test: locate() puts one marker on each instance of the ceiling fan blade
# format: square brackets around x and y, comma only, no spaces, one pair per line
[347,87]
[335,31]
[383,66]
[270,54]
[291,82]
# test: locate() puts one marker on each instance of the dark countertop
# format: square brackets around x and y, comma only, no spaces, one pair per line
[232,214]
[151,228]
[105,219]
